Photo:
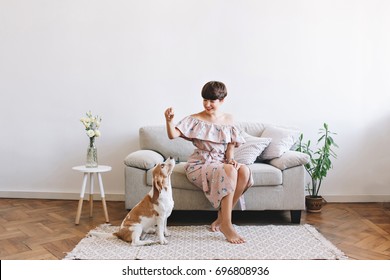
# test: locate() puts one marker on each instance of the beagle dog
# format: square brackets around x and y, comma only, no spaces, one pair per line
[153,210]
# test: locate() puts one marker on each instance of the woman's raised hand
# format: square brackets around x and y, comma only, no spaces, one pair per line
[169,114]
[172,131]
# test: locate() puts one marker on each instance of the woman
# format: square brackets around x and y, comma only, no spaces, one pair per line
[212,166]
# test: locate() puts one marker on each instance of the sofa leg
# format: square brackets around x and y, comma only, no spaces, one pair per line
[295,216]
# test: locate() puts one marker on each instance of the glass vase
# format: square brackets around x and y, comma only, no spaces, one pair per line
[92,160]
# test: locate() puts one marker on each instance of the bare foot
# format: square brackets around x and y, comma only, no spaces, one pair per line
[231,235]
[217,223]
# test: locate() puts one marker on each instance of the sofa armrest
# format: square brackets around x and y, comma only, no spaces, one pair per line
[290,159]
[143,159]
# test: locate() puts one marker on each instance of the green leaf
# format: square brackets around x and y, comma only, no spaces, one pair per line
[326,126]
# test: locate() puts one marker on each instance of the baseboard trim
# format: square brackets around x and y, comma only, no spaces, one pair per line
[357,198]
[57,195]
[121,197]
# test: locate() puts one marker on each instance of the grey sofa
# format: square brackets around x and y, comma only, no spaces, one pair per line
[279,182]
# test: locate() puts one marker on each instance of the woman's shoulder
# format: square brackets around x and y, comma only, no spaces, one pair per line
[224,119]
[228,119]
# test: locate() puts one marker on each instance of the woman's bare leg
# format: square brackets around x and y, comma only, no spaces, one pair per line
[242,182]
[215,225]
[224,221]
[226,226]
[242,174]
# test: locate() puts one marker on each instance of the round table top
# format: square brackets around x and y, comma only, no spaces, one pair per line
[100,168]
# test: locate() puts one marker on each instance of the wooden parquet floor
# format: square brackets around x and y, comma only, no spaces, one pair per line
[34,229]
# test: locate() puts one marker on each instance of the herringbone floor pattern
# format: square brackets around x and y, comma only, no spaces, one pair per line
[44,229]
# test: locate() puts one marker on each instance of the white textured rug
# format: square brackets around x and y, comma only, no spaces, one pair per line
[268,242]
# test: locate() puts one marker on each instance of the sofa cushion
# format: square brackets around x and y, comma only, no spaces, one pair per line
[266,175]
[155,138]
[282,140]
[263,175]
[290,159]
[143,159]
[251,149]
[251,128]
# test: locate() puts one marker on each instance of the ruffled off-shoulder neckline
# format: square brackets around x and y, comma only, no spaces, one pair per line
[194,128]
[209,123]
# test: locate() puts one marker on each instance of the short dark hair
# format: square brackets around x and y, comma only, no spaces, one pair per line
[214,90]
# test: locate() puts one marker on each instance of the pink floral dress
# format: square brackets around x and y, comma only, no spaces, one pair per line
[204,167]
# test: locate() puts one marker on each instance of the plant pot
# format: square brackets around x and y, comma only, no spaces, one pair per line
[313,203]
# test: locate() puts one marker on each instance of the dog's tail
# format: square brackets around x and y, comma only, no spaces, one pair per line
[103,234]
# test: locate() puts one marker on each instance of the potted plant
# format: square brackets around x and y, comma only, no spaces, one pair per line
[318,165]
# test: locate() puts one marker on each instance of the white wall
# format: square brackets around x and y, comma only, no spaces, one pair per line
[298,63]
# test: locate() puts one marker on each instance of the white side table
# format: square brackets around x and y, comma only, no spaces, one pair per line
[91,171]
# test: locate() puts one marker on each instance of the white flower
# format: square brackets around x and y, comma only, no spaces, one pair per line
[85,122]
[90,133]
[92,124]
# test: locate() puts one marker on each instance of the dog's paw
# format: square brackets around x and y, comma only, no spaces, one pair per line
[167,233]
[150,230]
[163,241]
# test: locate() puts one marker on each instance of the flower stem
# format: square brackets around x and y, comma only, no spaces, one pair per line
[91,141]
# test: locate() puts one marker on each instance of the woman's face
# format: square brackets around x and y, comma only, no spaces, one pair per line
[211,106]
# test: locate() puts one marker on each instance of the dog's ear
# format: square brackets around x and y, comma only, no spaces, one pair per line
[158,180]
[157,183]
[157,187]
